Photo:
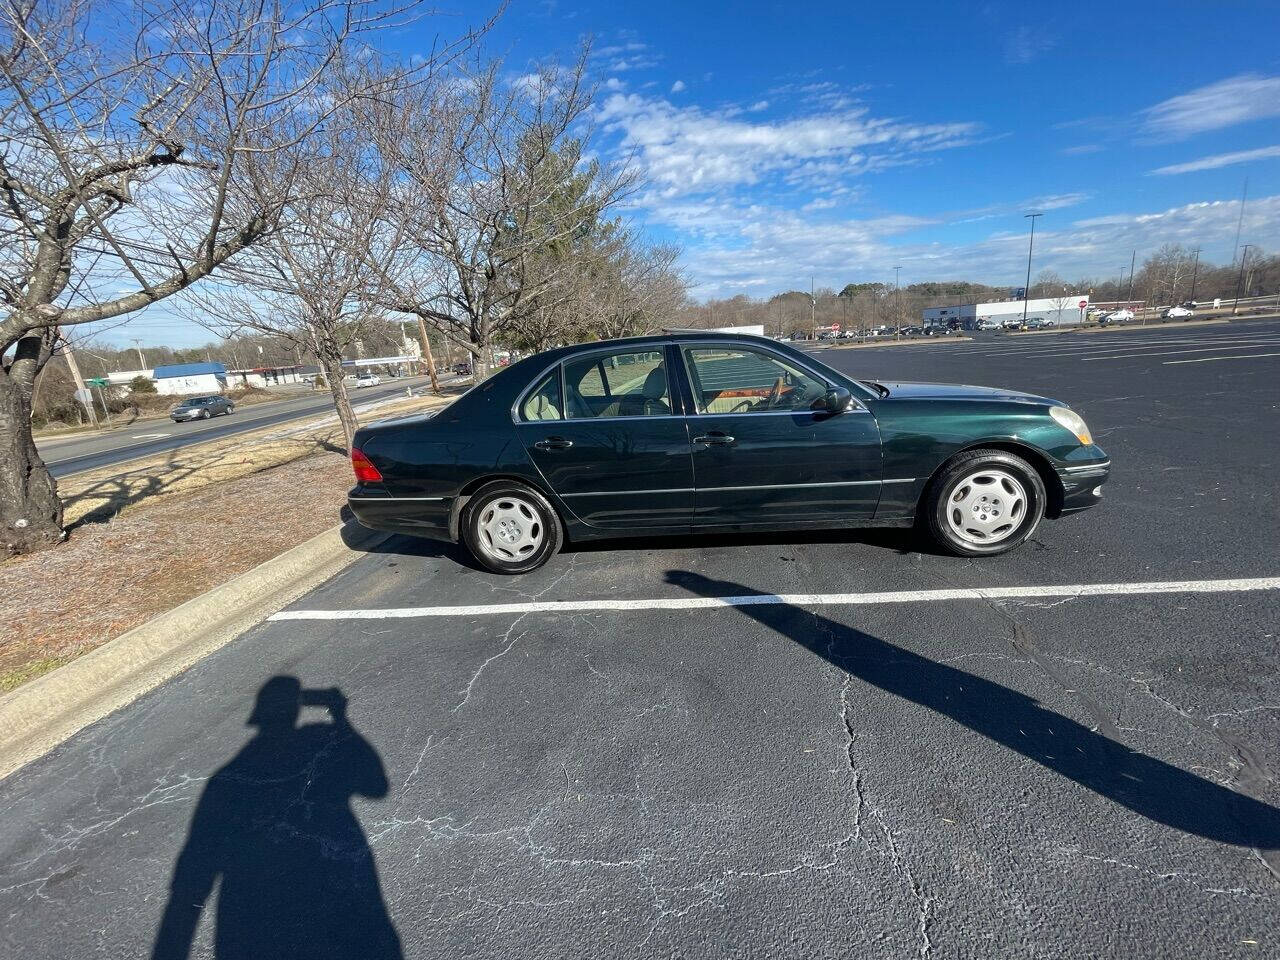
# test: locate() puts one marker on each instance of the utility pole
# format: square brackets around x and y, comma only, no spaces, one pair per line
[813,310]
[897,297]
[1195,270]
[1244,255]
[1240,220]
[1133,260]
[1026,291]
[142,360]
[79,381]
[426,354]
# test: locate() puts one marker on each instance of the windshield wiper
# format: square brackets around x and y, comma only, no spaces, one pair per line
[884,391]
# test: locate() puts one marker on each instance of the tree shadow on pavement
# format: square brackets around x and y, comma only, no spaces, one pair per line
[275,829]
[1152,788]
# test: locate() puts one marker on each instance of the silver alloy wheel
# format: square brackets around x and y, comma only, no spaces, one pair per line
[510,529]
[986,507]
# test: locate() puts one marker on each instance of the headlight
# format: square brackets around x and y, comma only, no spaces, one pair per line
[1073,422]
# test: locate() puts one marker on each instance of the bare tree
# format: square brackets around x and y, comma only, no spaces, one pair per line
[494,174]
[146,144]
[312,282]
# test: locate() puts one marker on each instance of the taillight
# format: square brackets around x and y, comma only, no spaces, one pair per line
[366,472]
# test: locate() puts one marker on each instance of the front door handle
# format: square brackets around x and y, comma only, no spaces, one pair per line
[554,443]
[714,438]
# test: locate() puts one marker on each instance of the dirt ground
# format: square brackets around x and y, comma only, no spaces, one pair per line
[144,540]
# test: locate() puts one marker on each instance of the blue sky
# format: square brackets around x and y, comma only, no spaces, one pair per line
[789,140]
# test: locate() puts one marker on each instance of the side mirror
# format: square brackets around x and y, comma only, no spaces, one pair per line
[834,401]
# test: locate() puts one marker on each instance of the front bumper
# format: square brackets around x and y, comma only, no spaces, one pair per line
[1082,485]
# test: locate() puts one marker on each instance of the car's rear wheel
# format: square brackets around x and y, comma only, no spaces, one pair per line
[984,502]
[511,528]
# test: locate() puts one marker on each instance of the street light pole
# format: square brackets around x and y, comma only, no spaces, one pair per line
[1026,291]
[1244,255]
[897,296]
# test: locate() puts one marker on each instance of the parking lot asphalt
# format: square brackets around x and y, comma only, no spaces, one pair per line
[1056,775]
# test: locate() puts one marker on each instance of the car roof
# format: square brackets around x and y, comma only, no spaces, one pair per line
[670,336]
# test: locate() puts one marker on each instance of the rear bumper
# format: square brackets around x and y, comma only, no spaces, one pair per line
[417,516]
[1082,485]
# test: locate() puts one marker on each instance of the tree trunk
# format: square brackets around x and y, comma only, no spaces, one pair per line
[341,402]
[30,511]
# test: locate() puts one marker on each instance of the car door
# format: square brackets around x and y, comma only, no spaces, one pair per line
[604,431]
[761,455]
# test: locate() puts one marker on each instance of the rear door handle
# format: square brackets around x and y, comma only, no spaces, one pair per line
[554,443]
[715,438]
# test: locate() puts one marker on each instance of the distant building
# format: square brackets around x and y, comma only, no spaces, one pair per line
[188,378]
[264,376]
[1063,311]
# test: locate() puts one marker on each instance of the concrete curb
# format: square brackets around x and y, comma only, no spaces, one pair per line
[41,714]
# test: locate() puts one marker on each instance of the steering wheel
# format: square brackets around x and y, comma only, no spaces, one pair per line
[774,394]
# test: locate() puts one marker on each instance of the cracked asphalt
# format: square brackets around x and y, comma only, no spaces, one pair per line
[1048,778]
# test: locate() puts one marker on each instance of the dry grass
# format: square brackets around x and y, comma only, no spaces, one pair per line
[98,495]
[110,577]
[147,539]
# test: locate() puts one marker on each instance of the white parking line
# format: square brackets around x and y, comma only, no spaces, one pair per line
[1170,353]
[1079,590]
[1247,356]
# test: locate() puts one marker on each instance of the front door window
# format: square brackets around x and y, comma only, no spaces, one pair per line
[737,380]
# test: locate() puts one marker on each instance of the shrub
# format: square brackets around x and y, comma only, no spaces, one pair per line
[141,384]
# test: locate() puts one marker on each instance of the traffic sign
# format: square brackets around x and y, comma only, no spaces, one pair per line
[835,326]
[97,381]
[1083,304]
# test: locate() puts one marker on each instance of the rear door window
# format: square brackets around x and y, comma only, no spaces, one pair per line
[624,384]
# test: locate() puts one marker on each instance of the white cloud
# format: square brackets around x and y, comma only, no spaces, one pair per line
[758,106]
[1026,44]
[690,150]
[764,249]
[614,84]
[1220,160]
[677,86]
[1081,149]
[1226,103]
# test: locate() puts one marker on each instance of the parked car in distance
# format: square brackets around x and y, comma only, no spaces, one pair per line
[462,369]
[1117,316]
[1040,323]
[201,408]
[367,380]
[1177,313]
[1013,323]
[711,432]
[988,324]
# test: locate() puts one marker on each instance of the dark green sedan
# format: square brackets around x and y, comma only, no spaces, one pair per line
[692,432]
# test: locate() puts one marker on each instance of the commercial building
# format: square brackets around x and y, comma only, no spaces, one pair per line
[1064,311]
[187,378]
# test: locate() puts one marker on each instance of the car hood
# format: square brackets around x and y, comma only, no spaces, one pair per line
[957,391]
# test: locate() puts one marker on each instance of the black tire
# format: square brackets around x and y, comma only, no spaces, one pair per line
[948,484]
[545,516]
[230,409]
[204,414]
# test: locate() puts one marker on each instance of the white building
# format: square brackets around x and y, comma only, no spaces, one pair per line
[1064,311]
[180,379]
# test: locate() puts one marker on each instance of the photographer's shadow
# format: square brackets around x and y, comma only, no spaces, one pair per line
[275,828]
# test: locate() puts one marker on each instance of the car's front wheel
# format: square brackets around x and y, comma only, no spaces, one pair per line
[984,502]
[511,528]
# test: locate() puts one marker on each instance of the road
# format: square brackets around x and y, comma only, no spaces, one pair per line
[66,456]
[1055,776]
